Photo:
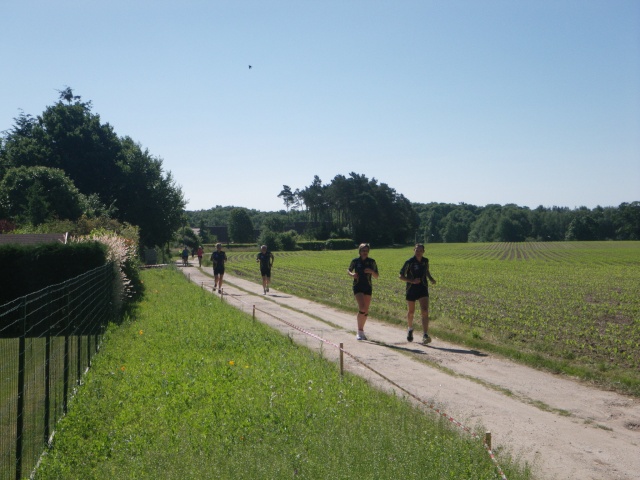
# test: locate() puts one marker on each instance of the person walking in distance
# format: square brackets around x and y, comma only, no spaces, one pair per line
[265,259]
[361,269]
[218,258]
[415,272]
[200,253]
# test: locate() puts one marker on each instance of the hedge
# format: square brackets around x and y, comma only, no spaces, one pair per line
[29,268]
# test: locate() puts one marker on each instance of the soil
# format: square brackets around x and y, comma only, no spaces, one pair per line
[562,428]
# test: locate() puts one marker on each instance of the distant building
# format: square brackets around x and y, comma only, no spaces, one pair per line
[34,238]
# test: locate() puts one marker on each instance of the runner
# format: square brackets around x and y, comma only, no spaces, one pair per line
[361,269]
[265,259]
[200,254]
[415,273]
[218,258]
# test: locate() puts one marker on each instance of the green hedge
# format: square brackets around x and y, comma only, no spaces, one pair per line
[29,268]
[340,244]
[312,245]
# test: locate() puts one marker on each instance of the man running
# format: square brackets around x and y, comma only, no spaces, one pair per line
[265,259]
[218,258]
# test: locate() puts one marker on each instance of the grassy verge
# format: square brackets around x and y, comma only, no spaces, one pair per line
[191,388]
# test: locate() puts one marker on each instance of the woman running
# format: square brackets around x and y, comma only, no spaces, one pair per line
[361,269]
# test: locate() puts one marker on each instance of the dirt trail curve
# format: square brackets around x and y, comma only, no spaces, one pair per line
[566,430]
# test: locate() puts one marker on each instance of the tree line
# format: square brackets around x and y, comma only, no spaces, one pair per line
[65,164]
[449,223]
[326,217]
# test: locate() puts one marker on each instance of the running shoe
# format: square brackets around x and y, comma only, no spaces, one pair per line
[426,339]
[410,335]
[361,336]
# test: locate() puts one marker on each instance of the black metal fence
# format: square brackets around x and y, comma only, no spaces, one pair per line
[47,340]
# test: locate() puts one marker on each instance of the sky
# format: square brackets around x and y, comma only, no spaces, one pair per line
[530,102]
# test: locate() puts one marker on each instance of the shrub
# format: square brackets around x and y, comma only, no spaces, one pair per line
[312,245]
[287,240]
[340,244]
[270,239]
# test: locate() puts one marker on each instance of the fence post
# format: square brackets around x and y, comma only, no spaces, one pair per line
[254,312]
[487,440]
[77,332]
[65,376]
[21,374]
[341,359]
[47,386]
[89,346]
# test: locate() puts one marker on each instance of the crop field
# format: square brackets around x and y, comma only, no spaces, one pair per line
[570,307]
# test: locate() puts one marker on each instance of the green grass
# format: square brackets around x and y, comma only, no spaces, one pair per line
[189,387]
[569,307]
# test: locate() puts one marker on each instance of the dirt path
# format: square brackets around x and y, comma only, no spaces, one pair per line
[566,430]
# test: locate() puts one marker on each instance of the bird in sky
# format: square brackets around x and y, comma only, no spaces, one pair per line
[249,67]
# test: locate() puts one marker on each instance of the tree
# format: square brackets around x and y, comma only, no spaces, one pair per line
[582,227]
[287,196]
[146,196]
[275,223]
[628,221]
[36,194]
[513,224]
[204,234]
[240,226]
[128,182]
[70,137]
[484,227]
[456,226]
[314,199]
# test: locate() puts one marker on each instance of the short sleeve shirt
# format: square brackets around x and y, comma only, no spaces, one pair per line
[414,268]
[359,265]
[265,260]
[218,258]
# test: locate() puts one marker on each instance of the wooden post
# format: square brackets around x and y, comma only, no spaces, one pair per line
[341,360]
[254,312]
[189,276]
[487,440]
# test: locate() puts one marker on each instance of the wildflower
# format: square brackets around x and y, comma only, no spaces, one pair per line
[140,332]
[232,363]
[122,368]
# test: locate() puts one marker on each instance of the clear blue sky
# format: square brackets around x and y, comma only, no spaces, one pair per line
[532,102]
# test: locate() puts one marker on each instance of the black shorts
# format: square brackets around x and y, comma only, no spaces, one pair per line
[265,272]
[365,289]
[218,271]
[416,292]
